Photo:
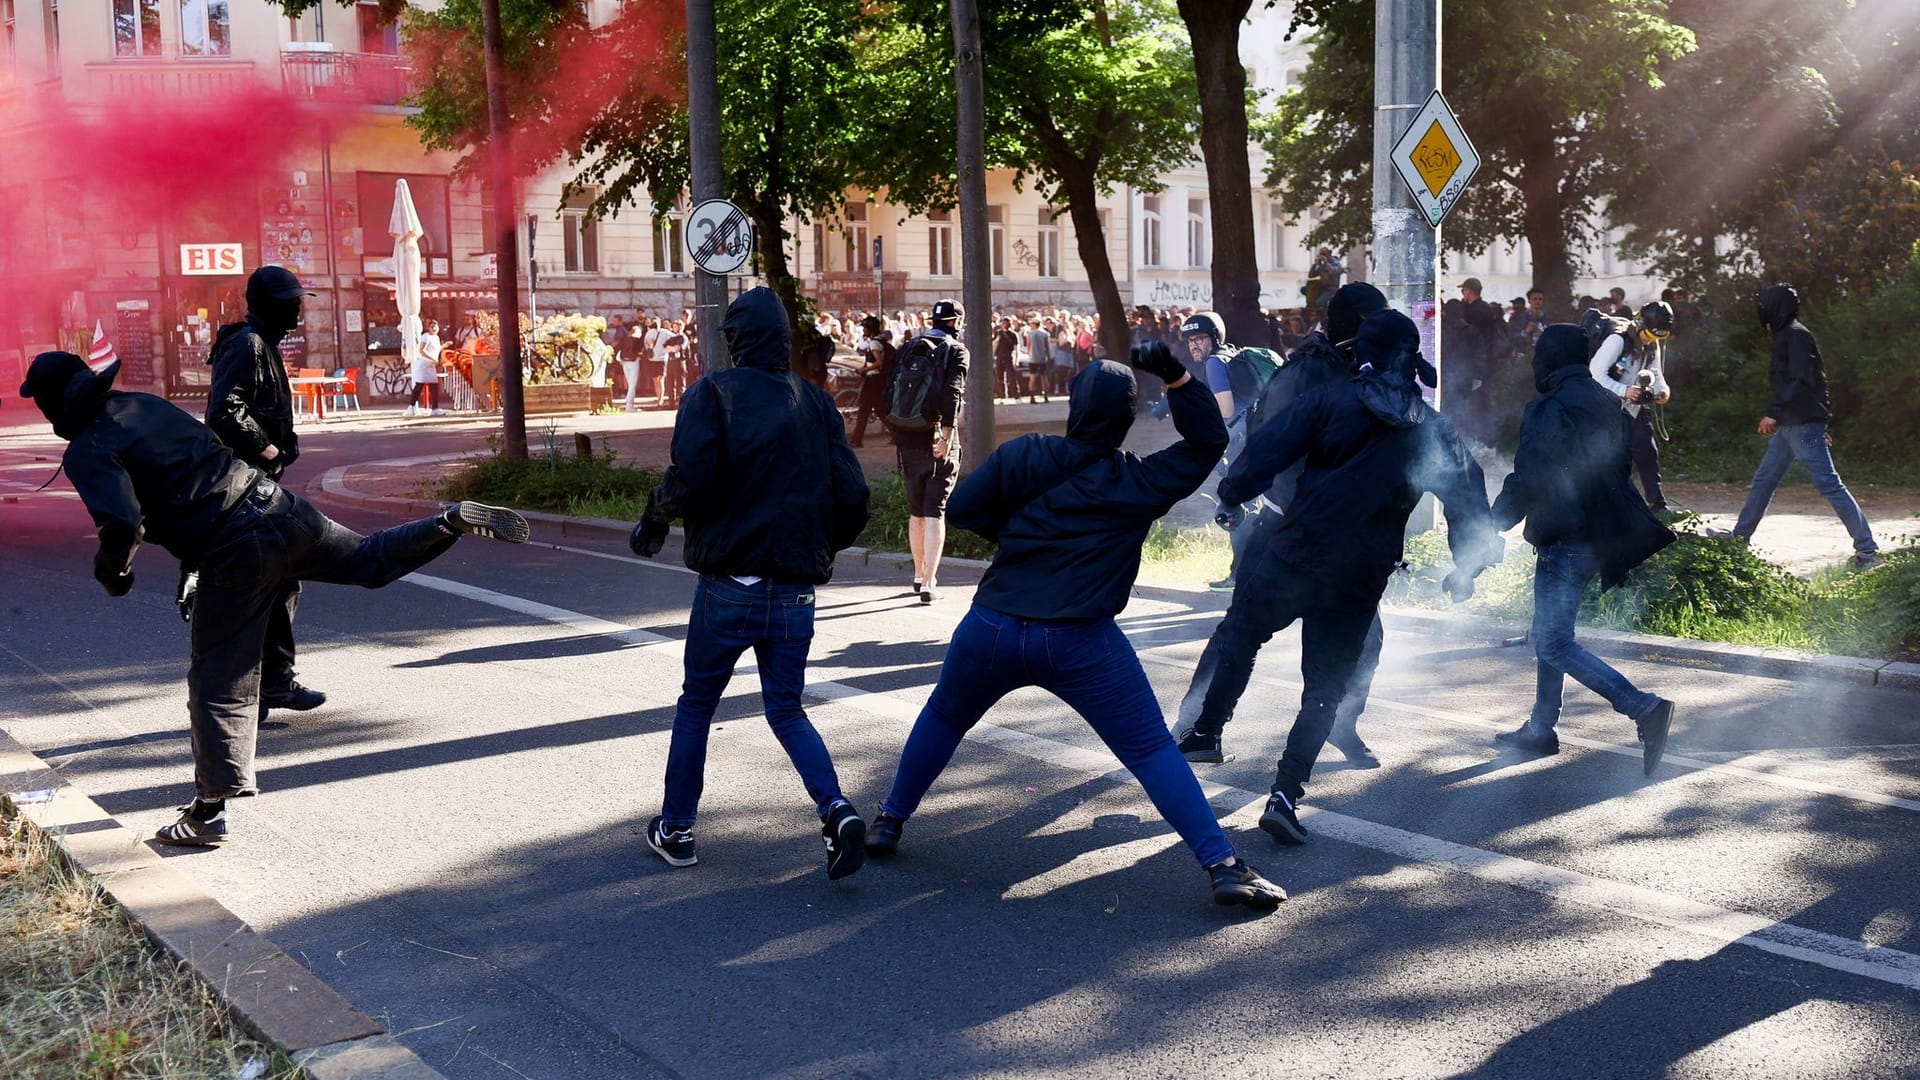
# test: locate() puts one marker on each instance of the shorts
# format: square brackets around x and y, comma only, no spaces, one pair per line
[929,479]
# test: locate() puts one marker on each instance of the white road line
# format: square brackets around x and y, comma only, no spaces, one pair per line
[1648,905]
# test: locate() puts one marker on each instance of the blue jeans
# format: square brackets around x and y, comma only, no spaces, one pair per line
[1806,443]
[1090,665]
[776,622]
[1560,578]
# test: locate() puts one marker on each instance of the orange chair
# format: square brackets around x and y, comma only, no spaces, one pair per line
[347,395]
[312,391]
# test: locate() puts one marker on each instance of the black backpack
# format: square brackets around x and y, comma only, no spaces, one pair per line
[919,376]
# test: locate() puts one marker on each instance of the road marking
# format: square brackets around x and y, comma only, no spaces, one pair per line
[1648,905]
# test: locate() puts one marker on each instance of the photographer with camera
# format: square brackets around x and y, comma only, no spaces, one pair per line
[1631,362]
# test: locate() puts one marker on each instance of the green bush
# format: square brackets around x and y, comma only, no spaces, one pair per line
[591,486]
[887,524]
[1699,581]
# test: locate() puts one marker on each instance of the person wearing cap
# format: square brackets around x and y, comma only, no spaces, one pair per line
[1473,340]
[250,409]
[1371,445]
[1068,515]
[930,456]
[147,471]
[1631,363]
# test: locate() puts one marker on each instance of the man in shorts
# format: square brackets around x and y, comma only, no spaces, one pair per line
[930,457]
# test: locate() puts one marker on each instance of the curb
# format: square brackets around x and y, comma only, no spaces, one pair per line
[268,992]
[1727,658]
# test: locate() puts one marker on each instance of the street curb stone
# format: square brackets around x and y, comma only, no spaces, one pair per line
[270,993]
[1732,659]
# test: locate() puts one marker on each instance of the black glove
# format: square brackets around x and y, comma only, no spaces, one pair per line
[648,537]
[1156,359]
[1229,517]
[117,584]
[1459,585]
[189,588]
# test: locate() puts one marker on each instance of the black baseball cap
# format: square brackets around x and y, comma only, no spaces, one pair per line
[277,282]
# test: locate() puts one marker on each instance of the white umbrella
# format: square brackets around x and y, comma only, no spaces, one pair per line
[406,230]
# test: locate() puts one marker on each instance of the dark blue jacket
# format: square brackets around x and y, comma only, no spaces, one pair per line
[1798,377]
[762,473]
[1070,513]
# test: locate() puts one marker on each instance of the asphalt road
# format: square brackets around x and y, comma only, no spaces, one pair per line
[453,841]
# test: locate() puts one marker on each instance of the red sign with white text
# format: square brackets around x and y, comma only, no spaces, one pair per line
[211,260]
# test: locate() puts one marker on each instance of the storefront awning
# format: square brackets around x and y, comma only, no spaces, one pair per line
[443,288]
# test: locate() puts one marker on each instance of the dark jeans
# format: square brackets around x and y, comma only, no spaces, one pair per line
[776,622]
[1646,457]
[276,672]
[1560,578]
[1335,619]
[1806,443]
[1090,665]
[271,538]
[874,408]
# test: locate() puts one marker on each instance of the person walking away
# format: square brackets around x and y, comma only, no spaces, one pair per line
[250,410]
[1069,514]
[1316,361]
[1039,361]
[147,471]
[429,363]
[924,396]
[876,366]
[770,491]
[1796,427]
[1372,446]
[678,348]
[632,347]
[1630,362]
[659,345]
[1569,483]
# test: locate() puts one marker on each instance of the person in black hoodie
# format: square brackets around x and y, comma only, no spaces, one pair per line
[770,490]
[1371,446]
[1570,482]
[1319,358]
[1796,427]
[1069,514]
[250,408]
[148,471]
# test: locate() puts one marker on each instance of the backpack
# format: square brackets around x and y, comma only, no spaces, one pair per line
[1598,327]
[919,373]
[1264,363]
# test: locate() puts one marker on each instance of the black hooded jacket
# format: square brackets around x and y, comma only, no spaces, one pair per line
[762,473]
[144,469]
[1371,445]
[1070,512]
[250,405]
[1570,473]
[1315,361]
[1799,378]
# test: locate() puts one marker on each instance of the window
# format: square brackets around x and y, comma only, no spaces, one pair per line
[819,249]
[1150,230]
[204,28]
[53,39]
[997,241]
[939,243]
[136,27]
[1197,232]
[1276,237]
[854,231]
[670,242]
[489,242]
[1049,260]
[378,34]
[7,58]
[580,234]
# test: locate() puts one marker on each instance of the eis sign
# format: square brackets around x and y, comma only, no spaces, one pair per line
[210,260]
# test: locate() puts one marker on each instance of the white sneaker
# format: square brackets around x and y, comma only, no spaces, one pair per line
[409,411]
[438,412]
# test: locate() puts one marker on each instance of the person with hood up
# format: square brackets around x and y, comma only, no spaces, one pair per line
[1570,483]
[1796,427]
[147,471]
[1318,359]
[770,491]
[250,409]
[1069,514]
[1371,446]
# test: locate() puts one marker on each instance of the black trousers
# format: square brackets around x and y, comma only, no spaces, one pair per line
[1340,640]
[869,408]
[1646,457]
[276,672]
[273,538]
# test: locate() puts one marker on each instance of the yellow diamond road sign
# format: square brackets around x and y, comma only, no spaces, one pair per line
[1436,159]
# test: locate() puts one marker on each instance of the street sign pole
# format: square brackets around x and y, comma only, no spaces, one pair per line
[708,175]
[1405,47]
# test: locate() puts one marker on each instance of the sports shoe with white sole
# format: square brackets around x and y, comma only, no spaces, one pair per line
[673,845]
[1282,821]
[1237,882]
[492,522]
[190,831]
[846,840]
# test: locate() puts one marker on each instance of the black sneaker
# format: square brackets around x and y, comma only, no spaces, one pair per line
[1237,882]
[1281,821]
[190,831]
[1653,730]
[1529,738]
[1356,751]
[919,586]
[673,845]
[928,594]
[846,840]
[492,522]
[883,836]
[292,696]
[1223,585]
[1202,748]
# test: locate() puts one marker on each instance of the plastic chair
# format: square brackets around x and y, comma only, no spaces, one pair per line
[348,395]
[311,392]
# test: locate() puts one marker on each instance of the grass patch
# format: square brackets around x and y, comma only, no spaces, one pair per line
[82,994]
[1185,557]
[596,485]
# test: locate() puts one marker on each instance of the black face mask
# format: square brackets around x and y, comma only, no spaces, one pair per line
[279,315]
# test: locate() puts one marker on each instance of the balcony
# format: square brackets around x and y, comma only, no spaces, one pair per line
[120,80]
[321,74]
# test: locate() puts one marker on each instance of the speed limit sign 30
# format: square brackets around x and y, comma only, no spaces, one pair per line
[719,237]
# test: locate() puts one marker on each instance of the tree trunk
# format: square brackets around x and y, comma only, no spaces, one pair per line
[1076,181]
[770,245]
[1214,28]
[1544,219]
